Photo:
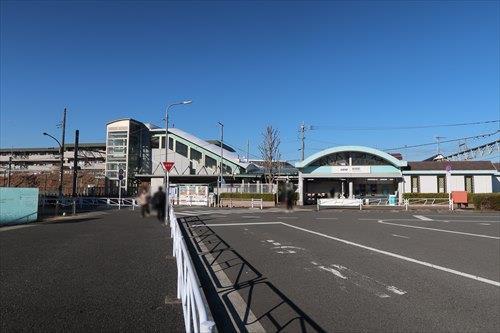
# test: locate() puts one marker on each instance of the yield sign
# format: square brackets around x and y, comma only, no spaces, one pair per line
[167,166]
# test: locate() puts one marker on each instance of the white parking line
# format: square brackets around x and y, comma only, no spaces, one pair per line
[395,255]
[423,218]
[440,230]
[327,218]
[387,253]
[233,224]
[485,223]
[287,217]
[400,236]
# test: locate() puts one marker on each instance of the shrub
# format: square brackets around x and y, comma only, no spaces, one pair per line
[486,201]
[424,195]
[263,196]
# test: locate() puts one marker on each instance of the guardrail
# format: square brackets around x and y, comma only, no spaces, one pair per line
[429,202]
[82,202]
[254,203]
[195,311]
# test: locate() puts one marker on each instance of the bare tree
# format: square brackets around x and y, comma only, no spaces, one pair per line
[269,150]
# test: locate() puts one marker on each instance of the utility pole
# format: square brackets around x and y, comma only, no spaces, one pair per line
[61,180]
[302,138]
[10,168]
[248,150]
[75,162]
[219,182]
[438,139]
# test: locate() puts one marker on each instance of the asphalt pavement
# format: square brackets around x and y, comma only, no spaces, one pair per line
[110,272]
[346,270]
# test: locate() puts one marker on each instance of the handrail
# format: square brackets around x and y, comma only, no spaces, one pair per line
[188,287]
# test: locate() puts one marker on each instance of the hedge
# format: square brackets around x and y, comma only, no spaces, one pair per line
[486,201]
[424,195]
[263,196]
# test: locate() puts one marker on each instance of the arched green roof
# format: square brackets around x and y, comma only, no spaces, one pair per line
[361,149]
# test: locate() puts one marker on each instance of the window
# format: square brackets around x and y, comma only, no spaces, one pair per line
[469,184]
[181,149]
[155,142]
[170,143]
[210,162]
[195,155]
[163,142]
[415,184]
[441,184]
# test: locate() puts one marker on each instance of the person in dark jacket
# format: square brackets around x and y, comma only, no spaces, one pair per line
[159,201]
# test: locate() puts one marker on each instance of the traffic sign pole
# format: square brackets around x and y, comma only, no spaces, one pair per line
[120,179]
[167,166]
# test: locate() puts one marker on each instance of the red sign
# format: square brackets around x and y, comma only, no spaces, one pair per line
[167,166]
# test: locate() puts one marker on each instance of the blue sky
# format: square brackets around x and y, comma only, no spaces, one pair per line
[334,65]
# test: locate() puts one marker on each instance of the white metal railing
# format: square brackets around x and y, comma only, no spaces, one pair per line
[254,203]
[188,287]
[81,202]
[249,188]
[445,202]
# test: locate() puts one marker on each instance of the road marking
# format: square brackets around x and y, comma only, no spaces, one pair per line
[440,230]
[485,223]
[327,218]
[395,255]
[395,290]
[287,217]
[233,224]
[14,227]
[423,218]
[400,236]
[249,217]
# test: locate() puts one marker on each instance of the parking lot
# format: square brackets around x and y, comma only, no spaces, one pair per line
[348,270]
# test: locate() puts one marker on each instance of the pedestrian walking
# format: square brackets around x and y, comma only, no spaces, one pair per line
[143,200]
[159,202]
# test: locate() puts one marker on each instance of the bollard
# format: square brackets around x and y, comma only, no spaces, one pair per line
[74,207]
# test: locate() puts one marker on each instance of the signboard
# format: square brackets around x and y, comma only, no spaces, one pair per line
[351,169]
[167,166]
[193,195]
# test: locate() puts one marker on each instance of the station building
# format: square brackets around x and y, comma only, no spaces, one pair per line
[363,172]
[138,149]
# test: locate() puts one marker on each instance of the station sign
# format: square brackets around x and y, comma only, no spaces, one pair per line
[350,169]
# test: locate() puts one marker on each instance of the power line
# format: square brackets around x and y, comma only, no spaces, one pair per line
[387,128]
[453,140]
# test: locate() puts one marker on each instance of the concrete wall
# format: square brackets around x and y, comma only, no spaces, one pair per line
[407,184]
[18,205]
[483,184]
[457,183]
[428,184]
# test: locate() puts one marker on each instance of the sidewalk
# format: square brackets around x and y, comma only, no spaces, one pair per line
[110,272]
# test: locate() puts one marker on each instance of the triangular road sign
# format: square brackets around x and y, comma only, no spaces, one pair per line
[167,166]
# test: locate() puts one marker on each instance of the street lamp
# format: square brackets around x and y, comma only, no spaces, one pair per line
[61,150]
[166,179]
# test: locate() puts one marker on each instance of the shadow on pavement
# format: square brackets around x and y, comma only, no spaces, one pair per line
[227,279]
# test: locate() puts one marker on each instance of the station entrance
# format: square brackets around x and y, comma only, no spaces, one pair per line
[350,172]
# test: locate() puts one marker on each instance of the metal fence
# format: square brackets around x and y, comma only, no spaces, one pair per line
[249,188]
[56,206]
[429,202]
[195,310]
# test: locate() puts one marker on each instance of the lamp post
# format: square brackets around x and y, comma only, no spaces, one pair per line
[61,150]
[166,180]
[219,181]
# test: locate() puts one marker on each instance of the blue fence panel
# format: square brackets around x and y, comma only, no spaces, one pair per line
[18,205]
